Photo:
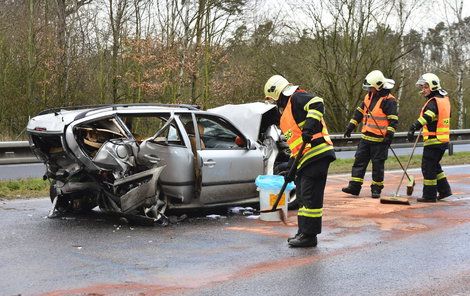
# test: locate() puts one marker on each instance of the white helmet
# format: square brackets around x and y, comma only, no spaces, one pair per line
[277,85]
[377,80]
[431,79]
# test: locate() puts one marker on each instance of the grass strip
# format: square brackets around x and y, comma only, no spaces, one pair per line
[24,188]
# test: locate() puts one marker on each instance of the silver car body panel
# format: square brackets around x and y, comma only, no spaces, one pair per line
[226,174]
[229,174]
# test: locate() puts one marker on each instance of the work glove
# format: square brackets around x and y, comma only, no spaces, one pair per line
[306,136]
[389,137]
[349,129]
[411,132]
[411,135]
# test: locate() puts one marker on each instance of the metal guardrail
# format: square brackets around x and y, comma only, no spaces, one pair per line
[457,137]
[18,152]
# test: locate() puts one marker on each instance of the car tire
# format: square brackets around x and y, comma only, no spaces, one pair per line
[64,203]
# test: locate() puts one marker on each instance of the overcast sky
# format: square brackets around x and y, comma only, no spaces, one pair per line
[430,13]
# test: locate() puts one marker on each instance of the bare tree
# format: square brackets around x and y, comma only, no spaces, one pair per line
[118,13]
[404,10]
[66,17]
[344,49]
[459,52]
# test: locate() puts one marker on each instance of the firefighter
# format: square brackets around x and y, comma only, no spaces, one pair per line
[378,113]
[302,121]
[434,119]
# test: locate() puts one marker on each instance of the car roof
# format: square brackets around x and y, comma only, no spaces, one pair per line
[67,115]
[109,107]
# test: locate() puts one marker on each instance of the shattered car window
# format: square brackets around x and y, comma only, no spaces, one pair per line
[217,134]
[147,126]
[92,135]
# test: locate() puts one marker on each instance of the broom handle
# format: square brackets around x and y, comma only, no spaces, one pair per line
[291,170]
[383,135]
[408,163]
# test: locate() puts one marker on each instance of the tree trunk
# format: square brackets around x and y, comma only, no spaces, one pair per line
[460,97]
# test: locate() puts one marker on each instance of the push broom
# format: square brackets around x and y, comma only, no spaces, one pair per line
[396,199]
[411,181]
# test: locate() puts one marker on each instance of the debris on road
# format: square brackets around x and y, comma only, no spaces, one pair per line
[216,217]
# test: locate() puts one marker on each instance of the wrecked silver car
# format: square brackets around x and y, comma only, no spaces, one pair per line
[142,159]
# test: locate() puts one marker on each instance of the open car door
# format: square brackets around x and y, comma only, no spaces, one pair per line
[229,166]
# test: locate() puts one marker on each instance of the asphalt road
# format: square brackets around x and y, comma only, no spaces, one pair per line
[366,248]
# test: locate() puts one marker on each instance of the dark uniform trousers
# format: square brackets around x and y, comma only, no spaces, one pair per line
[369,151]
[310,186]
[434,178]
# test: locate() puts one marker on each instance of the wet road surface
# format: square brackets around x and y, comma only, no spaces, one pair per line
[366,248]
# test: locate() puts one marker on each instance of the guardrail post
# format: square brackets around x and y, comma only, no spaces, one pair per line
[451,148]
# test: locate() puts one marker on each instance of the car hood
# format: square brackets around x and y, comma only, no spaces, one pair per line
[252,119]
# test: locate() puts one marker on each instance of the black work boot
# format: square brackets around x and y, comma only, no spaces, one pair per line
[353,188]
[375,191]
[303,241]
[443,188]
[293,237]
[443,195]
[429,194]
[424,199]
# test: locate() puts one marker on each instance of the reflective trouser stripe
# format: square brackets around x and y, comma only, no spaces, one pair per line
[432,182]
[372,139]
[441,176]
[311,213]
[358,180]
[378,183]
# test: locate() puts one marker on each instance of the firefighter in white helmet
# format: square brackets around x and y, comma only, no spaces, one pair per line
[378,114]
[302,120]
[434,120]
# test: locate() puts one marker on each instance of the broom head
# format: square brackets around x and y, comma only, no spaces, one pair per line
[395,200]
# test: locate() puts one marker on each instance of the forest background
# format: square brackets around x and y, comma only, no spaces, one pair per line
[209,53]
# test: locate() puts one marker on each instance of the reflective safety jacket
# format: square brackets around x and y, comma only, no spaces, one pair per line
[375,121]
[291,127]
[383,108]
[438,133]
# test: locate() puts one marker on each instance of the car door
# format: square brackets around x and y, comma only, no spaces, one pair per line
[228,165]
[162,144]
